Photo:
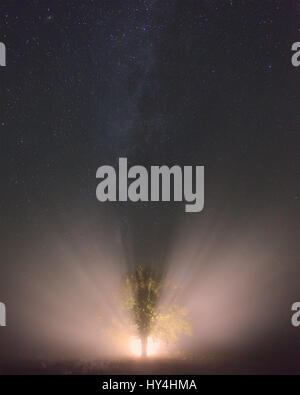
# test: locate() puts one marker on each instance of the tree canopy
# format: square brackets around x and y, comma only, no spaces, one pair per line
[143,290]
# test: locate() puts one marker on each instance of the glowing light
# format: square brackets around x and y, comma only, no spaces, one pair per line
[135,346]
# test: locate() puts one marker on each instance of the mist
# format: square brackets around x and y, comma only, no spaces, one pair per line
[67,301]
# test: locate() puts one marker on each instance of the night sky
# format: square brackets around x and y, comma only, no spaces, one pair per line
[161,82]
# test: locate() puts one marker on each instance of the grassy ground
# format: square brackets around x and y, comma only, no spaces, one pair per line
[206,364]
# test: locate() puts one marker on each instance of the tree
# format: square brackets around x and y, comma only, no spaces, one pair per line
[143,289]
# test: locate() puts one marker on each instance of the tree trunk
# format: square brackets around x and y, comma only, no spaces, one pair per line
[144,341]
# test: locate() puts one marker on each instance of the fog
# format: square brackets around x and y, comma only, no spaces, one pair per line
[65,298]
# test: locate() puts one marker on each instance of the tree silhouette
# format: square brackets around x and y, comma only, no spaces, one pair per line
[143,289]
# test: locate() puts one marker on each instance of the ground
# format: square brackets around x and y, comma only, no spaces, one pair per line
[205,364]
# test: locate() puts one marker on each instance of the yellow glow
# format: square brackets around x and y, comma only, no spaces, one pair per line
[135,346]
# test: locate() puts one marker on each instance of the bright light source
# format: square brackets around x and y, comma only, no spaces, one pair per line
[135,346]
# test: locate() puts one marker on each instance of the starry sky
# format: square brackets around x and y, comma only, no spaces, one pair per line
[159,82]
